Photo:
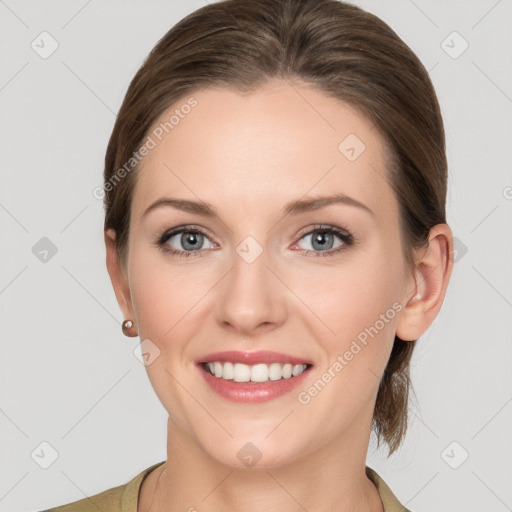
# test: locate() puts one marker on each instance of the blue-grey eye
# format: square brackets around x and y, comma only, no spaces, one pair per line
[323,240]
[186,240]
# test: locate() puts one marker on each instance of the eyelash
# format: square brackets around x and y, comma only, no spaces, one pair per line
[343,234]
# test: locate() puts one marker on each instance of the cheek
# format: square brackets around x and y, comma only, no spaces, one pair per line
[166,297]
[354,301]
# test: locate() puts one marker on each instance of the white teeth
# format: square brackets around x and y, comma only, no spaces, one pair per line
[240,372]
[275,372]
[297,369]
[287,371]
[228,371]
[259,373]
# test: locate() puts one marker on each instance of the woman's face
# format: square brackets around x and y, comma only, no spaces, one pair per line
[260,276]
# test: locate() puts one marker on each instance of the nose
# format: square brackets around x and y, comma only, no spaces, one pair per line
[251,299]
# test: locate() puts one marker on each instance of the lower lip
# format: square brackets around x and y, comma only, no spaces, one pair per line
[252,392]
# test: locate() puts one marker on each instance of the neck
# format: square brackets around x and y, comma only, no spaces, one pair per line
[331,478]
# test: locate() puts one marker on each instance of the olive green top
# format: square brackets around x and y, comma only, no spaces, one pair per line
[124,498]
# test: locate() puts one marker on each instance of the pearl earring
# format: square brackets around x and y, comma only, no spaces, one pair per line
[127,326]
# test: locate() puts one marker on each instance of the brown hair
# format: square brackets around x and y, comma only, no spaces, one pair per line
[339,49]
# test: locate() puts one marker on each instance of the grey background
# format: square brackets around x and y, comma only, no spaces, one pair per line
[70,378]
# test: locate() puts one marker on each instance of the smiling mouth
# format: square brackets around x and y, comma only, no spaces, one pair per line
[257,373]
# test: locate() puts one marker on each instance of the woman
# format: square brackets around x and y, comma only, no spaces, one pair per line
[275,229]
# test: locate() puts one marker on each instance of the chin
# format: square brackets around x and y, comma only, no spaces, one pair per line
[244,453]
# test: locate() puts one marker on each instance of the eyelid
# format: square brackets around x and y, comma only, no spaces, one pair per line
[185,228]
[323,227]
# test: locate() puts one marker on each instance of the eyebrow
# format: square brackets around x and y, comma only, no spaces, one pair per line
[296,207]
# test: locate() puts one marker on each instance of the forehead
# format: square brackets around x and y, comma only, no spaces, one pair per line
[272,145]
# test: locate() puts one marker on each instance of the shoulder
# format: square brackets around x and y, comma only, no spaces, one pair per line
[122,498]
[389,500]
[109,500]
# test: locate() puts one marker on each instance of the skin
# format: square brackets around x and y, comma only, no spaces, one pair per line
[248,155]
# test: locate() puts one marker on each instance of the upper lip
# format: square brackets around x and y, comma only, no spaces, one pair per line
[251,358]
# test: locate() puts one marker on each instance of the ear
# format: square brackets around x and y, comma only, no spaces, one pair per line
[118,276]
[432,273]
